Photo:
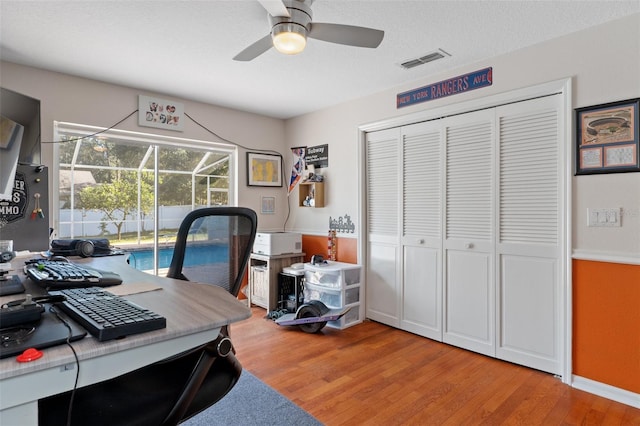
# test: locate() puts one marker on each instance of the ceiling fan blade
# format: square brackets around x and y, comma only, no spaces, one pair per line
[275,7]
[255,50]
[346,34]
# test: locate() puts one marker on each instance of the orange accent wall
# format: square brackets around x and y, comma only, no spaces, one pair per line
[606,323]
[347,248]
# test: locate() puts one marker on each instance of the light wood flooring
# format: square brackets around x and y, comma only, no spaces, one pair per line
[371,374]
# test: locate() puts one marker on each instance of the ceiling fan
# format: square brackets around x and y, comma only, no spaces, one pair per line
[291,24]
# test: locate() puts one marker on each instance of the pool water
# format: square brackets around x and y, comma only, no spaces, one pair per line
[194,256]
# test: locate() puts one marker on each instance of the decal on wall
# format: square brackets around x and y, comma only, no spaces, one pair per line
[452,86]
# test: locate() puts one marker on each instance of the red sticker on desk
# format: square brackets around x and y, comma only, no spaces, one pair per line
[28,355]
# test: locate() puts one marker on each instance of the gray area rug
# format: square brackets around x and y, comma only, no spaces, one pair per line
[253,402]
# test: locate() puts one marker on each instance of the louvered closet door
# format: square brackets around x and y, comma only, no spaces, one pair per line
[469,308]
[383,216]
[530,233]
[421,229]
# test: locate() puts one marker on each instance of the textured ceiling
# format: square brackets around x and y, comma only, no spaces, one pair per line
[184,49]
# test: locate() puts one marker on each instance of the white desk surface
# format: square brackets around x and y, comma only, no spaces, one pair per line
[194,312]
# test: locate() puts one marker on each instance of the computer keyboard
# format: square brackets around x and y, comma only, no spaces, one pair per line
[105,315]
[61,274]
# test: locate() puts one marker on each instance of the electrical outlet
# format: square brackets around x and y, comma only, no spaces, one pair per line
[603,217]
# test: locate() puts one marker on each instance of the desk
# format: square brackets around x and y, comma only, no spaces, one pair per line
[194,312]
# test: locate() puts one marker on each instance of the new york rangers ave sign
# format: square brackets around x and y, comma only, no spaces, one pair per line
[452,86]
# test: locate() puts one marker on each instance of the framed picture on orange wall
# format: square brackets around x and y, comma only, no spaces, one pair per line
[607,138]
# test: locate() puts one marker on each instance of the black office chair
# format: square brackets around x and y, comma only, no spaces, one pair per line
[213,246]
[209,235]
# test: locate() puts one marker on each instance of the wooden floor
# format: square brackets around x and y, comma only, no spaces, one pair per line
[371,374]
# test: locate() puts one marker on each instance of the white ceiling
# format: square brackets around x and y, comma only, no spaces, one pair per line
[184,49]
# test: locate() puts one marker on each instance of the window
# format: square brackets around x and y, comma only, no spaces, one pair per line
[134,188]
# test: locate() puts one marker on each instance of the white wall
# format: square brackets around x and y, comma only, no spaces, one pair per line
[77,100]
[604,63]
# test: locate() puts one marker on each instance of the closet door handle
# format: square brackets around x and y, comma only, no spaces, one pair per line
[468,245]
[420,241]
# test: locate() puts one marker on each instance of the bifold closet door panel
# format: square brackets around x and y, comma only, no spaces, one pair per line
[422,152]
[422,292]
[469,301]
[382,285]
[529,312]
[469,286]
[530,228]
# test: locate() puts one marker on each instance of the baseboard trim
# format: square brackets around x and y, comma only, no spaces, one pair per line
[610,257]
[606,391]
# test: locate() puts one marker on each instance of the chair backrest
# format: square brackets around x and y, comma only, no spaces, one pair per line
[213,246]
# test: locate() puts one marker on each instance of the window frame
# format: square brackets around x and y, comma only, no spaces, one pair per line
[131,137]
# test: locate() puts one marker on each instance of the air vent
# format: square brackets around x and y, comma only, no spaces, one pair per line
[429,57]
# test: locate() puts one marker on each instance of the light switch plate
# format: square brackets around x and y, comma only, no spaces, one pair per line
[603,217]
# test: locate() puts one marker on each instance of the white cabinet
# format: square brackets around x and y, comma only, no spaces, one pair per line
[337,285]
[263,277]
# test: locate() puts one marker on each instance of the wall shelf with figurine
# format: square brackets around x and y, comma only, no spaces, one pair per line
[311,194]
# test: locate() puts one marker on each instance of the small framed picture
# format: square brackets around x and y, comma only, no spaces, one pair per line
[268,205]
[607,138]
[160,113]
[264,169]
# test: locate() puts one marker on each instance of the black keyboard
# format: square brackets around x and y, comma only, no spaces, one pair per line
[60,274]
[105,315]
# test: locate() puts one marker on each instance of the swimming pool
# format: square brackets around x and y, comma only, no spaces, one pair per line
[194,256]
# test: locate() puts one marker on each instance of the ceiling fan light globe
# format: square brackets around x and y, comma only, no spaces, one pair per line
[289,38]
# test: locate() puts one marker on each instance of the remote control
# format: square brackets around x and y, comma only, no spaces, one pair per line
[11,316]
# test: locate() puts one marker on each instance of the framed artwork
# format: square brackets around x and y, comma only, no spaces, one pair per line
[264,169]
[160,113]
[268,205]
[607,138]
